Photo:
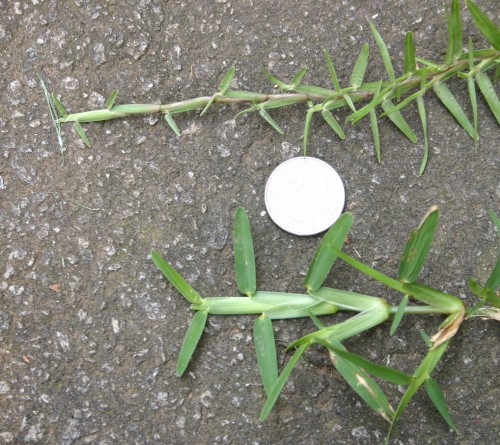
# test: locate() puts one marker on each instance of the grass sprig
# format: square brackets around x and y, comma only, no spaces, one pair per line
[391,95]
[369,312]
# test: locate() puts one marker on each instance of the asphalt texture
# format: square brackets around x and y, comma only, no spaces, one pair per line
[90,330]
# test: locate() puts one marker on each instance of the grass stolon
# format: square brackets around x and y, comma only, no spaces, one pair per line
[391,96]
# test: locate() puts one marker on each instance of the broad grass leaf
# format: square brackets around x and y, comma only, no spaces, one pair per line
[436,395]
[280,383]
[410,66]
[358,72]
[434,297]
[397,119]
[489,94]
[423,120]
[331,69]
[325,255]
[265,349]
[332,122]
[417,247]
[244,259]
[111,99]
[485,25]
[176,279]
[454,20]
[384,52]
[449,101]
[191,340]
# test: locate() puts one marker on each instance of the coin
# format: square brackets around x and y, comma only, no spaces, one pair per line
[304,196]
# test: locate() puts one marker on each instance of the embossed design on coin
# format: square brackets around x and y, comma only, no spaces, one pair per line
[304,196]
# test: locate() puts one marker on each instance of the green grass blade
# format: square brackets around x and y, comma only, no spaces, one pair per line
[472,91]
[384,372]
[280,383]
[307,128]
[60,107]
[384,52]
[489,94]
[267,117]
[362,112]
[332,122]
[397,119]
[265,349]
[494,279]
[279,103]
[209,104]
[484,24]
[449,101]
[496,76]
[349,102]
[358,72]
[176,279]
[436,395]
[274,80]
[399,314]
[111,99]
[410,66]
[170,121]
[331,69]
[325,255]
[434,297]
[227,79]
[485,293]
[423,120]
[371,272]
[417,247]
[362,383]
[298,77]
[454,20]
[191,340]
[81,132]
[376,134]
[244,258]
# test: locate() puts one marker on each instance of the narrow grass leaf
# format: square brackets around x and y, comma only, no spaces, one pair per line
[384,52]
[384,372]
[434,297]
[331,69]
[298,77]
[332,122]
[454,20]
[265,349]
[209,103]
[399,314]
[358,72]
[436,395]
[280,103]
[485,25]
[81,132]
[111,99]
[244,258]
[496,76]
[449,101]
[489,94]
[362,112]
[397,119]
[170,121]
[274,80]
[349,102]
[423,120]
[371,272]
[375,134]
[176,279]
[271,121]
[280,383]
[60,107]
[484,293]
[494,279]
[362,383]
[307,128]
[426,338]
[325,255]
[191,340]
[409,65]
[417,247]
[227,79]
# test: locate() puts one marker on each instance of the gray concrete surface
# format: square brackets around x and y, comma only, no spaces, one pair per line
[89,329]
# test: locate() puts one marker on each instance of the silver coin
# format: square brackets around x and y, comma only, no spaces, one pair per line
[304,196]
